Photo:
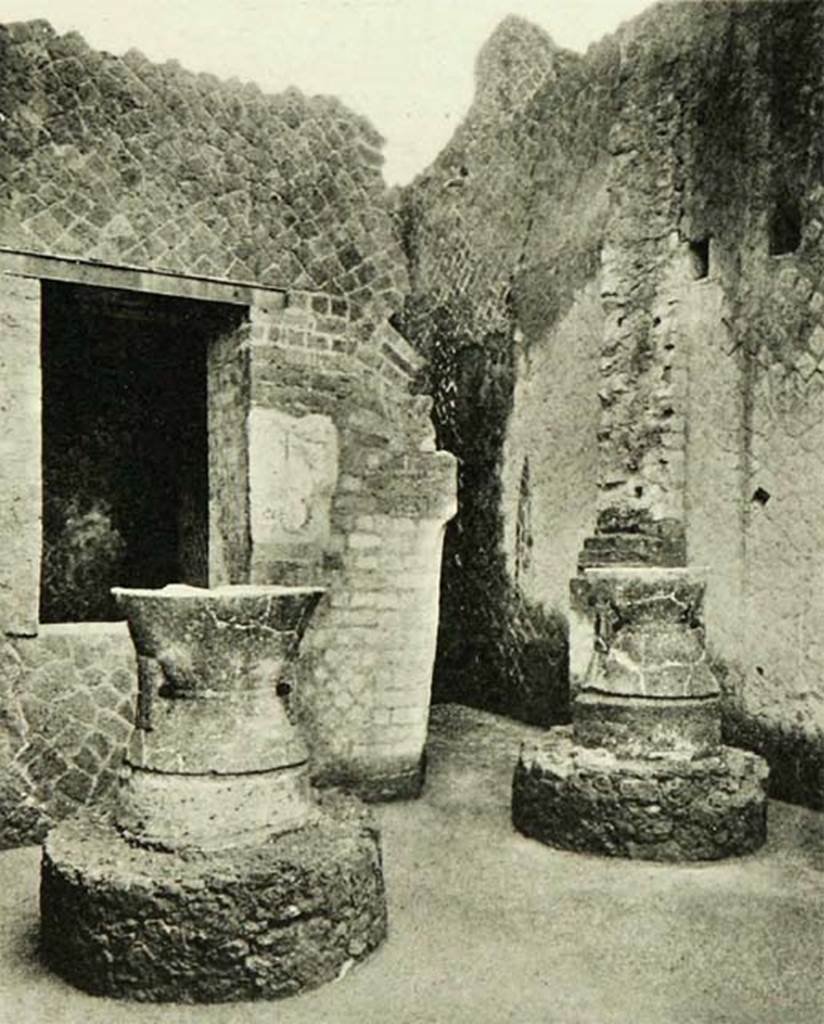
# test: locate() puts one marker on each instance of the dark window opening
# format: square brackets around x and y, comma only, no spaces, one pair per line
[785,228]
[700,258]
[125,450]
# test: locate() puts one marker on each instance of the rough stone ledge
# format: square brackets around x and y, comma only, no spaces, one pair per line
[670,808]
[253,923]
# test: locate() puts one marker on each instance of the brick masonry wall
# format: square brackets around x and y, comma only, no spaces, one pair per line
[756,380]
[363,690]
[66,708]
[124,161]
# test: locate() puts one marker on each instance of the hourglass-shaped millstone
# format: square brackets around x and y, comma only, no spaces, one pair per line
[218,876]
[214,760]
[642,771]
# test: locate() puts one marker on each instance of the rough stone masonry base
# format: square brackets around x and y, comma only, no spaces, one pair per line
[668,809]
[249,923]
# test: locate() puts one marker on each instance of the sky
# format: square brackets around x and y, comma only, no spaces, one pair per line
[407,65]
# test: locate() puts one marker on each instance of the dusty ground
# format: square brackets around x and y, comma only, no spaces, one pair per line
[488,926]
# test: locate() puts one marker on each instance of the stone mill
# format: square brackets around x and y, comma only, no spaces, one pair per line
[216,875]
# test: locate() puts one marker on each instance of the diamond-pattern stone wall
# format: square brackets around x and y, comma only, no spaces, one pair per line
[124,161]
[66,713]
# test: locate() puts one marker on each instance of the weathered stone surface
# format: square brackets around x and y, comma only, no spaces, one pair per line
[289,196]
[228,395]
[219,763]
[211,812]
[20,510]
[639,633]
[670,808]
[653,173]
[363,700]
[221,653]
[497,259]
[293,477]
[258,923]
[637,726]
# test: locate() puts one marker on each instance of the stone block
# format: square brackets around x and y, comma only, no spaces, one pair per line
[293,472]
[638,727]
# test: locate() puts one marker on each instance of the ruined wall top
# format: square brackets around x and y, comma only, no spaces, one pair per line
[124,161]
[516,59]
[686,143]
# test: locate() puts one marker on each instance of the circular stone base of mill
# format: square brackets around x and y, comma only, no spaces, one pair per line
[667,809]
[253,923]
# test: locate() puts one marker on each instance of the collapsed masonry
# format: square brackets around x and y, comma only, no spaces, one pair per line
[642,772]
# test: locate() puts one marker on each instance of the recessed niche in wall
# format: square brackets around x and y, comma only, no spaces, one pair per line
[785,227]
[125,454]
[523,523]
[699,249]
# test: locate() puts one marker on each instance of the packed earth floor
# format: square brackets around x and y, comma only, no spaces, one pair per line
[486,925]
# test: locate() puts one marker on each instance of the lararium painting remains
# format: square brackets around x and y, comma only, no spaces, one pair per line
[307,484]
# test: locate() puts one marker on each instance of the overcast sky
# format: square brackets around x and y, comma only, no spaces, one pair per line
[406,64]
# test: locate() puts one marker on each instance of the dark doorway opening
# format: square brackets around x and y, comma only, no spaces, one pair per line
[125,446]
[785,227]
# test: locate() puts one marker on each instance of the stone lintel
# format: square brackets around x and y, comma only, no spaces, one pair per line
[156,282]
